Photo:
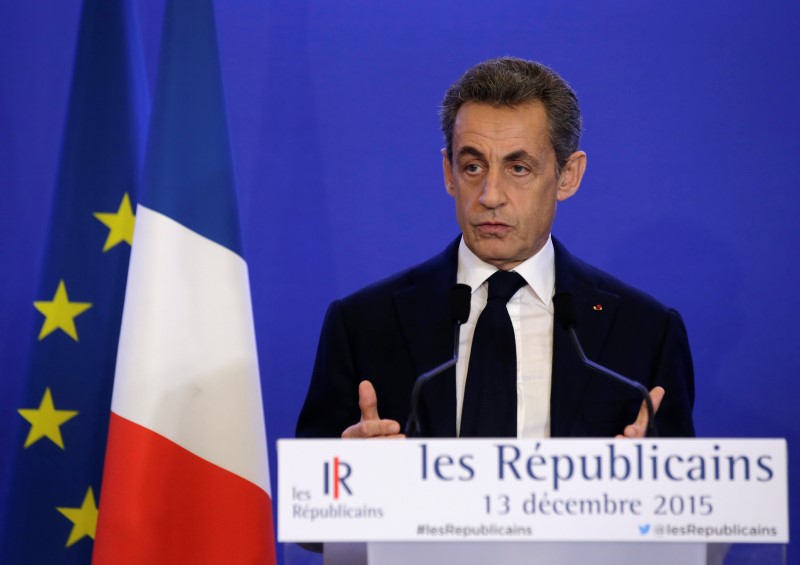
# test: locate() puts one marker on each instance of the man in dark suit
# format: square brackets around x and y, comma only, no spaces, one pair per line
[511,130]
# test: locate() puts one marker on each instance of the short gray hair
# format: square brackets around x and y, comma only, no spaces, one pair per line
[509,81]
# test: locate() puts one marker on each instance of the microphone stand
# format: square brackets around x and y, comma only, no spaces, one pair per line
[651,426]
[412,425]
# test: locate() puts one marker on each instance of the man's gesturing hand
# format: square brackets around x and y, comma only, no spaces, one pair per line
[371,425]
[639,427]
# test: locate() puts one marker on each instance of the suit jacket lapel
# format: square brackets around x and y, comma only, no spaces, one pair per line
[423,309]
[595,311]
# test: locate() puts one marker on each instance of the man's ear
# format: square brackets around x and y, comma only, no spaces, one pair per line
[569,181]
[447,169]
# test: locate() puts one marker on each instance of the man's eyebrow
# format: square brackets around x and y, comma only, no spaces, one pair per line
[469,150]
[520,155]
[523,155]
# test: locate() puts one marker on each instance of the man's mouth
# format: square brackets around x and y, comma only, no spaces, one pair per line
[492,228]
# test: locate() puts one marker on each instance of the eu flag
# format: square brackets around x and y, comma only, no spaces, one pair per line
[62,417]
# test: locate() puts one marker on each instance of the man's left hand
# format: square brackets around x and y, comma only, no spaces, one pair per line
[639,428]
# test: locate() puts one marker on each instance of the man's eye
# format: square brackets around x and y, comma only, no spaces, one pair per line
[472,168]
[519,169]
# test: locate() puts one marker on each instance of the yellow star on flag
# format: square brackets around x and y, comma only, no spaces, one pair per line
[60,313]
[120,225]
[84,519]
[46,420]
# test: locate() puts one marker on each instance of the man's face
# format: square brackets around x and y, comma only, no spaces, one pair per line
[504,179]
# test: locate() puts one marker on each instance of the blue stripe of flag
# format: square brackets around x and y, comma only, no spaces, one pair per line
[188,174]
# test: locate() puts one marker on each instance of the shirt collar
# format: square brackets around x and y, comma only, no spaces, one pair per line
[538,271]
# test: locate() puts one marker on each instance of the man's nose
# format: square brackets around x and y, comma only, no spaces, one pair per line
[493,191]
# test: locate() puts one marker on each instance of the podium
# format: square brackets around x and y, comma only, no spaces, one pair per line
[555,501]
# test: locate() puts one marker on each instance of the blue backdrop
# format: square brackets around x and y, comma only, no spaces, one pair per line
[691,124]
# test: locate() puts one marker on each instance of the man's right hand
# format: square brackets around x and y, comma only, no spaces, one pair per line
[371,425]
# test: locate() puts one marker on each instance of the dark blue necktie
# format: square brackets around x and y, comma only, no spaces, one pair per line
[490,395]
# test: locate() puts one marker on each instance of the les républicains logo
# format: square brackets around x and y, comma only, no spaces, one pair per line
[335,475]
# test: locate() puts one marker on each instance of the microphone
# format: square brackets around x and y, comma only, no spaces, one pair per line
[460,297]
[566,318]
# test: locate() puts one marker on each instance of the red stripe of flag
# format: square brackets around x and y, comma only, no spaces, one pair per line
[178,507]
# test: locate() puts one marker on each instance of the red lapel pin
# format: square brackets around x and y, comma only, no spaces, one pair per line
[597,307]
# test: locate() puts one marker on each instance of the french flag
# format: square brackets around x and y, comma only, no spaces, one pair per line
[186,477]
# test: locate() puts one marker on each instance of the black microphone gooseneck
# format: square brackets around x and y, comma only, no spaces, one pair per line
[565,316]
[460,296]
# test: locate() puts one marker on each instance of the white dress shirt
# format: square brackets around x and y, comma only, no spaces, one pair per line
[531,311]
